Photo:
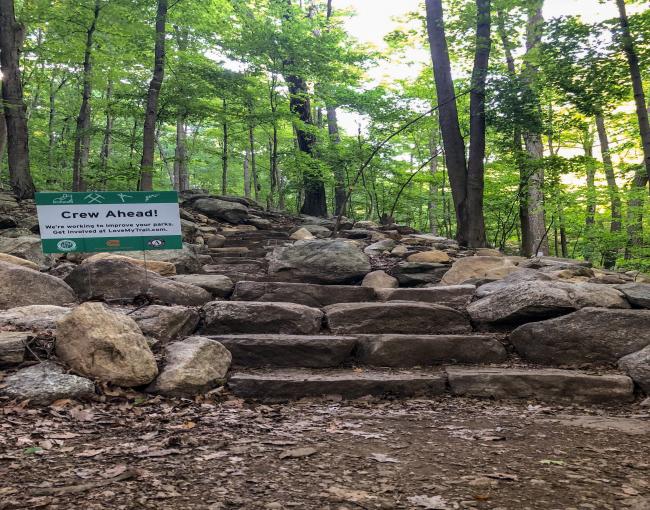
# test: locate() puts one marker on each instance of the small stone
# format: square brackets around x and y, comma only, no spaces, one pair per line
[216,241]
[400,250]
[379,280]
[430,257]
[302,234]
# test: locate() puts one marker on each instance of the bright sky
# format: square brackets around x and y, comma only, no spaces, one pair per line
[376,18]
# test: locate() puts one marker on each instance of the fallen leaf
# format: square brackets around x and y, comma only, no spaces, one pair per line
[297,453]
[114,471]
[80,414]
[503,476]
[552,462]
[90,453]
[429,502]
[380,457]
[160,453]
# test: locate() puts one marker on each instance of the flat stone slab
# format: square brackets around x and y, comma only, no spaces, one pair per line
[423,350]
[12,347]
[226,317]
[282,385]
[543,384]
[284,351]
[454,296]
[307,294]
[395,317]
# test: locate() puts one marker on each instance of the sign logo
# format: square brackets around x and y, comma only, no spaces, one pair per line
[156,243]
[66,245]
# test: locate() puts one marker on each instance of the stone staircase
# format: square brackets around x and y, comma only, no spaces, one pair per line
[296,340]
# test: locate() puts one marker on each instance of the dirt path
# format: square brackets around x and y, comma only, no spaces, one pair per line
[435,454]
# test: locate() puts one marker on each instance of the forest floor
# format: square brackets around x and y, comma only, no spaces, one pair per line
[218,454]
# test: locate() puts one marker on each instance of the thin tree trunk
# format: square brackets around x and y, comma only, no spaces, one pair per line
[181,174]
[635,204]
[151,113]
[533,185]
[609,259]
[82,135]
[224,152]
[432,205]
[107,143]
[253,163]
[247,174]
[3,137]
[340,191]
[590,217]
[11,37]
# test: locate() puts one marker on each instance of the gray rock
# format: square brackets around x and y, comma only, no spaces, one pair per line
[186,260]
[218,285]
[319,261]
[32,317]
[395,317]
[308,294]
[549,385]
[7,221]
[166,323]
[411,274]
[379,280]
[638,294]
[192,367]
[223,317]
[223,210]
[26,247]
[523,275]
[453,296]
[420,350]
[470,269]
[12,347]
[380,247]
[287,351]
[556,262]
[119,280]
[590,335]
[319,231]
[637,366]
[22,286]
[536,300]
[46,382]
[216,241]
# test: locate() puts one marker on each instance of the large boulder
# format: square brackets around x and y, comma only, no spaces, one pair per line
[412,274]
[22,286]
[523,275]
[319,261]
[223,317]
[185,260]
[231,212]
[35,318]
[637,366]
[157,266]
[166,323]
[46,382]
[471,269]
[638,294]
[536,300]
[192,367]
[395,317]
[26,247]
[120,280]
[590,335]
[11,259]
[218,285]
[103,344]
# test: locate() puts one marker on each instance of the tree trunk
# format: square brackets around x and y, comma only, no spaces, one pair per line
[253,162]
[339,172]
[635,204]
[247,174]
[181,173]
[151,112]
[536,241]
[466,183]
[314,203]
[107,143]
[11,37]
[82,135]
[432,205]
[610,256]
[224,152]
[590,217]
[3,137]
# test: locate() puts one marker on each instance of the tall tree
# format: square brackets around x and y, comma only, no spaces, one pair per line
[82,135]
[640,181]
[466,178]
[151,112]
[11,39]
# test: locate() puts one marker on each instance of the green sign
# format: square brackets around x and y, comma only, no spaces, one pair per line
[109,221]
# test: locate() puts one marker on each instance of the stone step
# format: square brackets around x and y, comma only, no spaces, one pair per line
[302,293]
[283,385]
[289,351]
[454,296]
[399,317]
[548,384]
[323,351]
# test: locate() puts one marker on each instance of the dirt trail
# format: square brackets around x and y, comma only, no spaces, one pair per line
[437,454]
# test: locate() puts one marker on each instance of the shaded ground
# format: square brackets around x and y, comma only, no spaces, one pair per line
[436,454]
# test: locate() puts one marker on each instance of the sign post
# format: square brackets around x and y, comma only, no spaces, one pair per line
[109,221]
